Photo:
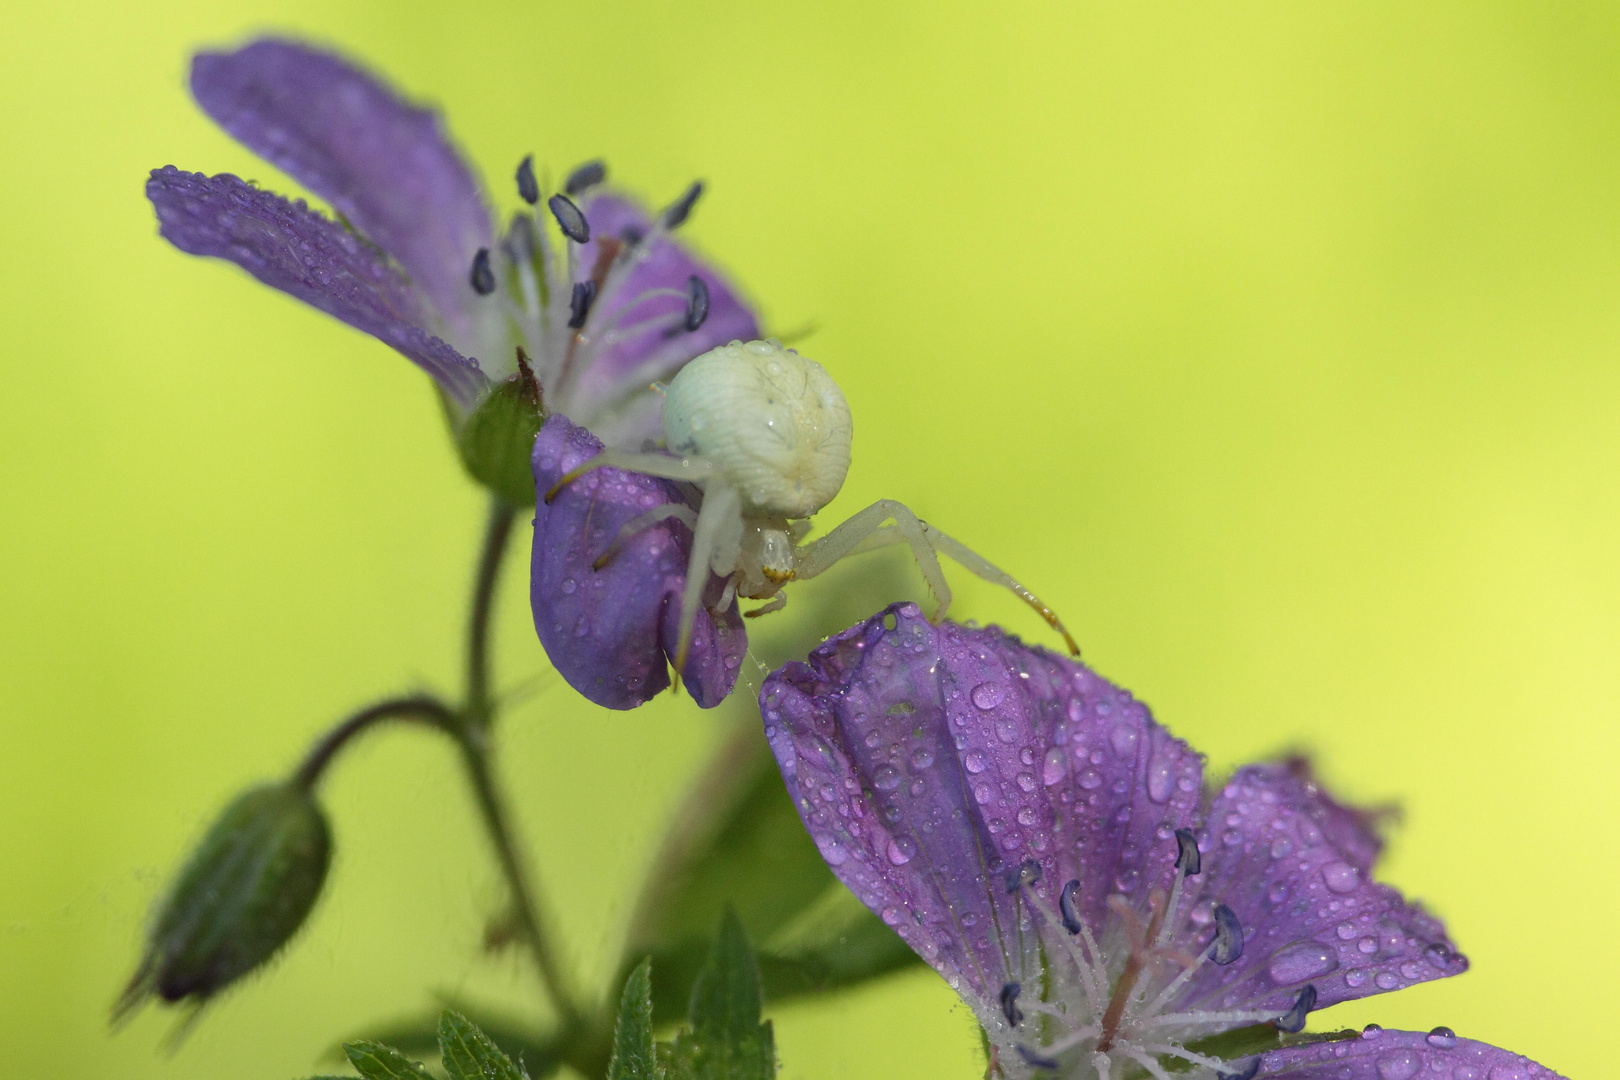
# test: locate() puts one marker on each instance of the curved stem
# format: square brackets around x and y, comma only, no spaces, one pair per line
[420,707]
[472,732]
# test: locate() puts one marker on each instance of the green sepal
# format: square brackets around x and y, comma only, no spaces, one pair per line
[496,439]
[245,891]
[726,1040]
[635,1055]
[540,1052]
[469,1054]
[374,1061]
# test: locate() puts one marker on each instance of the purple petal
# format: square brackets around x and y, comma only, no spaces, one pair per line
[290,247]
[611,632]
[384,165]
[929,763]
[1353,830]
[661,264]
[1309,912]
[1401,1055]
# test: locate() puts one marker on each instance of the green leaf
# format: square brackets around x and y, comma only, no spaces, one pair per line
[726,1040]
[635,1057]
[739,842]
[539,1052]
[374,1061]
[469,1054]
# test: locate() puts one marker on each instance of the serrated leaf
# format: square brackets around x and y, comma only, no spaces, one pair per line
[469,1054]
[726,1040]
[374,1061]
[635,1055]
[537,1052]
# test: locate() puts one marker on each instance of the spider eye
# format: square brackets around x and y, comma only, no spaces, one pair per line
[773,423]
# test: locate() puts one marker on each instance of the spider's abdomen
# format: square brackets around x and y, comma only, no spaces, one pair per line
[772,421]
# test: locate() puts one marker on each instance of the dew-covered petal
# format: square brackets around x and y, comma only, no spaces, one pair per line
[611,632]
[1310,913]
[385,165]
[931,763]
[1353,830]
[1400,1055]
[290,247]
[625,365]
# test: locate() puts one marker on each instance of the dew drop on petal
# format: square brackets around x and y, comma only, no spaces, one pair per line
[1387,980]
[988,695]
[1441,1038]
[975,762]
[1053,766]
[922,758]
[1341,877]
[1160,780]
[1300,961]
[886,778]
[831,849]
[1397,1065]
[901,850]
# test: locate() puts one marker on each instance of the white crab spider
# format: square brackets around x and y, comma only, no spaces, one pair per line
[764,433]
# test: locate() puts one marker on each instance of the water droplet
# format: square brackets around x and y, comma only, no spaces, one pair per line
[1279,848]
[1397,1065]
[901,850]
[1089,778]
[1053,766]
[922,758]
[1341,877]
[582,627]
[886,778]
[1386,980]
[1160,780]
[891,915]
[1026,782]
[1355,977]
[569,585]
[832,849]
[982,793]
[1026,815]
[988,695]
[1300,961]
[918,787]
[1368,945]
[975,762]
[1441,1038]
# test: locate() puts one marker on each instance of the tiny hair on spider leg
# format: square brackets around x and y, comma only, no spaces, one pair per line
[764,435]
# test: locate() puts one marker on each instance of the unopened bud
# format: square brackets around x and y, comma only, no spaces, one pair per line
[497,438]
[245,891]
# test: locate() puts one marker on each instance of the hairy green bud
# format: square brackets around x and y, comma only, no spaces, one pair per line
[497,438]
[245,891]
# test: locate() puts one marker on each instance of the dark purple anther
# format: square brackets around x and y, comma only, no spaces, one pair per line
[585,177]
[482,277]
[678,211]
[528,187]
[1188,861]
[697,303]
[1293,1021]
[1249,1071]
[1228,936]
[1066,909]
[1035,1059]
[579,304]
[1025,873]
[570,219]
[1009,1003]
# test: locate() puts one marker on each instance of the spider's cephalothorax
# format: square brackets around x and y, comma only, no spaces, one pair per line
[764,434]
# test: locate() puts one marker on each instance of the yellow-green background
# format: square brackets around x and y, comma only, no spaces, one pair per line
[1274,343]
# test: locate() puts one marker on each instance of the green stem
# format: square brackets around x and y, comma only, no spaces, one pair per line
[473,731]
[419,707]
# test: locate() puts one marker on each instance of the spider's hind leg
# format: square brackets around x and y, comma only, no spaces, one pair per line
[718,529]
[866,531]
[684,514]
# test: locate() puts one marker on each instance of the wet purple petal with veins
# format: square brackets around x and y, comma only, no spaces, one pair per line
[661,264]
[611,632]
[1401,1055]
[1353,830]
[956,780]
[929,762]
[290,247]
[385,165]
[1309,912]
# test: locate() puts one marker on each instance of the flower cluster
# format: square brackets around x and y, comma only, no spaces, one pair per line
[1051,851]
[578,322]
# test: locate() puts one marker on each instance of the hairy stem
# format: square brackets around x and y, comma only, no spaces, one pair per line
[479,707]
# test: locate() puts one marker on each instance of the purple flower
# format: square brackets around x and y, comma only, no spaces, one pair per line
[404,262]
[611,629]
[1031,832]
[580,322]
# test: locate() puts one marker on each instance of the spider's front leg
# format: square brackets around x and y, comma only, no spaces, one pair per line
[718,531]
[865,531]
[693,470]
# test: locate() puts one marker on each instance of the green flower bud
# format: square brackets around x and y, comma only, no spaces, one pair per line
[497,438]
[245,891]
